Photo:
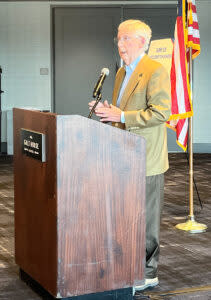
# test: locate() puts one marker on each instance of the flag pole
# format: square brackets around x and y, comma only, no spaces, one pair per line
[191,225]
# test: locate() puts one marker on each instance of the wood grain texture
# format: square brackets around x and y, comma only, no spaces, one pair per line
[35,201]
[80,217]
[101,195]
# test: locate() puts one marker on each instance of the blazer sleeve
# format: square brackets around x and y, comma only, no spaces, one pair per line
[158,102]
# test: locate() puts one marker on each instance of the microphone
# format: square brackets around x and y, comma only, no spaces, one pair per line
[99,84]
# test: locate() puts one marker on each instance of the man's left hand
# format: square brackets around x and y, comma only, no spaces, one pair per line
[109,114]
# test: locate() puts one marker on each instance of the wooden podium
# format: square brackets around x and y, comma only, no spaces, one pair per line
[80,214]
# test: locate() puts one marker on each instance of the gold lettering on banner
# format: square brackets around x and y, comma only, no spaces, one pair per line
[161,51]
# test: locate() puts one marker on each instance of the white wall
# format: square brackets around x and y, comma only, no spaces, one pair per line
[25,48]
[202,82]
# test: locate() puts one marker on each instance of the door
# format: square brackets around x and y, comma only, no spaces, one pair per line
[83,46]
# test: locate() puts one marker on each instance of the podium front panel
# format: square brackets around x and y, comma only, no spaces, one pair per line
[79,216]
[101,206]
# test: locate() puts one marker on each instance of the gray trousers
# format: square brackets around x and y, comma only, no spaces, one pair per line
[154,206]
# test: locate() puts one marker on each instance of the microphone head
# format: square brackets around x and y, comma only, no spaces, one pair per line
[105,71]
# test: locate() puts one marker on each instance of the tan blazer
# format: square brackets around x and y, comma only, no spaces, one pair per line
[146,103]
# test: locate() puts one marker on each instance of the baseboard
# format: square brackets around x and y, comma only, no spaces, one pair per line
[197,148]
[120,294]
[202,147]
[4,147]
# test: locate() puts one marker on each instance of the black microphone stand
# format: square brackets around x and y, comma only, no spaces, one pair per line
[99,97]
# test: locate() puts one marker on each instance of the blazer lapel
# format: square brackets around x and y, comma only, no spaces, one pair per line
[133,82]
[118,83]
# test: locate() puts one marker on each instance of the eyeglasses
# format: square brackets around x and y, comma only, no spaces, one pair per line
[124,39]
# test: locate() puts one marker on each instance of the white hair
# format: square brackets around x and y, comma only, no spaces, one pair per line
[139,28]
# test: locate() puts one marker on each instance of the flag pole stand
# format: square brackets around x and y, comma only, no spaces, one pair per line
[191,225]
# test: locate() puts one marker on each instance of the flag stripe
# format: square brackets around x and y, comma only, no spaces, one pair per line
[194,33]
[182,133]
[194,9]
[194,16]
[183,88]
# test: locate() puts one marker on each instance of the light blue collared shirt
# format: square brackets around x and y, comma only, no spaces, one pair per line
[129,70]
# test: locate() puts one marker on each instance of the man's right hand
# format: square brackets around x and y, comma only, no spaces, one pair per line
[99,105]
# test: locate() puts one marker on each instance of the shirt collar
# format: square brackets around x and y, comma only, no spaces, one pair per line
[130,68]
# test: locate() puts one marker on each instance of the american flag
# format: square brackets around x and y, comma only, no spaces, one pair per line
[186,36]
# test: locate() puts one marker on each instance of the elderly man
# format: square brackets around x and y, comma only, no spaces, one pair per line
[141,104]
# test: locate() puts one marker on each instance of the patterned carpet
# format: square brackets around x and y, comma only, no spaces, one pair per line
[185,261]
